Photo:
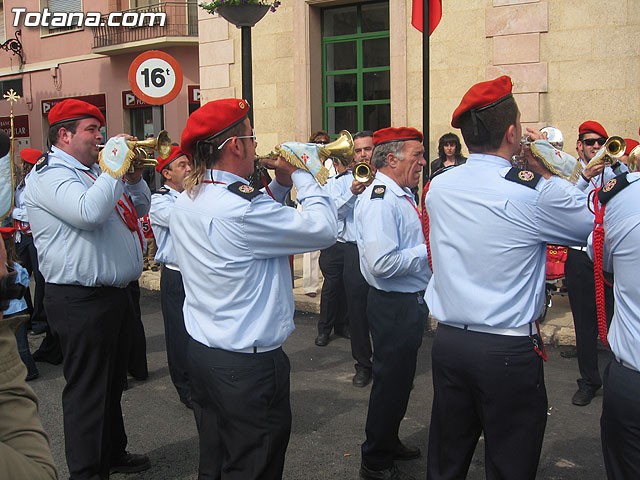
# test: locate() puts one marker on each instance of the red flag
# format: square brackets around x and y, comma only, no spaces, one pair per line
[435,14]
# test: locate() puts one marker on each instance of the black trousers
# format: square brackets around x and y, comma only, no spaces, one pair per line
[26,251]
[137,359]
[242,411]
[582,298]
[175,333]
[620,422]
[357,292]
[397,321]
[333,305]
[91,325]
[485,383]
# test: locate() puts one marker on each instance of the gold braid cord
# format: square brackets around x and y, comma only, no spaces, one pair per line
[124,168]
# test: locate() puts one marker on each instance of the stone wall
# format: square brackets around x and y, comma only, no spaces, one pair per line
[571,61]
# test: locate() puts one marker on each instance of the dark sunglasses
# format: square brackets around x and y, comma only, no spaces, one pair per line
[592,141]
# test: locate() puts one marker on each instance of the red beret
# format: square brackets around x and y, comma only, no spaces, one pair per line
[392,134]
[7,232]
[592,127]
[30,155]
[212,119]
[175,153]
[73,109]
[483,95]
[631,144]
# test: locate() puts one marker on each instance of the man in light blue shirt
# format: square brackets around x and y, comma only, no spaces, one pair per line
[579,270]
[232,244]
[393,261]
[620,422]
[489,225]
[173,169]
[85,228]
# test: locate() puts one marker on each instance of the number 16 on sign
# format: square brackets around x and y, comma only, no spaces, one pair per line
[155,77]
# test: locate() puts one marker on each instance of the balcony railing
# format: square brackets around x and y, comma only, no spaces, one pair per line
[181,21]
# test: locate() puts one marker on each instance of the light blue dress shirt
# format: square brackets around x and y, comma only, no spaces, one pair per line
[17,305]
[79,236]
[393,255]
[488,239]
[160,213]
[622,257]
[339,187]
[19,212]
[596,181]
[233,256]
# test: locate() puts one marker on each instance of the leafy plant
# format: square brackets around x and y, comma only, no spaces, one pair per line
[213,5]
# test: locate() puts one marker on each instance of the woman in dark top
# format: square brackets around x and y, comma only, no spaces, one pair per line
[449,153]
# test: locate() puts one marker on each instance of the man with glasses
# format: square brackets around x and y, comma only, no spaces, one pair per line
[232,244]
[579,272]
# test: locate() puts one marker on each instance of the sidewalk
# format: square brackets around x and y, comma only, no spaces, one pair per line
[557,328]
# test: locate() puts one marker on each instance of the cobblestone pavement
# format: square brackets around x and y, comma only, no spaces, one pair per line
[328,413]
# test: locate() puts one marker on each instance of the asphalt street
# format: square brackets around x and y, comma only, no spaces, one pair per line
[328,413]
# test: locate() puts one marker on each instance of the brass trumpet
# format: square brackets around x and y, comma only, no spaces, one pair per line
[161,144]
[632,161]
[613,149]
[341,149]
[362,172]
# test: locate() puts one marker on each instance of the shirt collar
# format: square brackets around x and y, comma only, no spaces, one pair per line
[173,191]
[60,156]
[393,186]
[224,177]
[490,159]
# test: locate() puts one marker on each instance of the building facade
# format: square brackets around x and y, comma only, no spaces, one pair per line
[79,61]
[337,64]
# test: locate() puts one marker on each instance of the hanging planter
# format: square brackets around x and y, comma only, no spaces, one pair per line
[241,13]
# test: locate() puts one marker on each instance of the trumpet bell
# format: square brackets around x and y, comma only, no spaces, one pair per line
[362,172]
[161,144]
[633,160]
[341,149]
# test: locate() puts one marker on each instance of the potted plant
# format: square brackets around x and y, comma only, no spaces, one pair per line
[241,13]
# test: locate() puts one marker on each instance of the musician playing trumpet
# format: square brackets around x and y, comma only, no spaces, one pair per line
[85,228]
[232,244]
[345,189]
[591,138]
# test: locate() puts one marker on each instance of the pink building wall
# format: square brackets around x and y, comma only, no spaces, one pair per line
[64,65]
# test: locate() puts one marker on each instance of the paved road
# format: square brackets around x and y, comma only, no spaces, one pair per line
[328,414]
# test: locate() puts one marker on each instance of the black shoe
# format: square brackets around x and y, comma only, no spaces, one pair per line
[38,330]
[322,340]
[344,334]
[388,474]
[583,396]
[361,378]
[406,452]
[130,463]
[570,353]
[40,357]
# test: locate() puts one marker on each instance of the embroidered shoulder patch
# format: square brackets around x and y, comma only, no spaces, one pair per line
[42,162]
[245,191]
[378,191]
[163,191]
[523,177]
[612,188]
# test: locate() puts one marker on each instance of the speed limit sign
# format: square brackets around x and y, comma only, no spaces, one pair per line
[155,77]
